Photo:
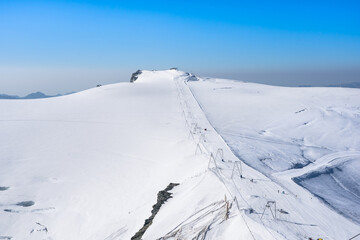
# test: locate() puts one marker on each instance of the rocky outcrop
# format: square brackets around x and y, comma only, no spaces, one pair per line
[191,77]
[135,75]
[162,197]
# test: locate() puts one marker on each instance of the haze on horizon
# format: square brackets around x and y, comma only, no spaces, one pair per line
[62,46]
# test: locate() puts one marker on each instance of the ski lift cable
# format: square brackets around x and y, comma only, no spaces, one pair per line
[219,170]
[220,177]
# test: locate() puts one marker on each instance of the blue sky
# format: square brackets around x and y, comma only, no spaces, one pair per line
[63,46]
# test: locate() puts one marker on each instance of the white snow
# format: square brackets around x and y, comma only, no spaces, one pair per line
[93,162]
[287,133]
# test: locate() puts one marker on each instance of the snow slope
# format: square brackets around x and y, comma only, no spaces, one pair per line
[337,183]
[93,162]
[310,135]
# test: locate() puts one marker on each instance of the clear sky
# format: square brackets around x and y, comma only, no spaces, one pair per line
[63,46]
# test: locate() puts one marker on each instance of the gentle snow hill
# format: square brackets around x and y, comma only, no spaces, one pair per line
[92,162]
[89,165]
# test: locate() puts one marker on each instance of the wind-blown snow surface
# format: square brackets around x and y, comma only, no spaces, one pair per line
[338,184]
[92,162]
[309,134]
[89,165]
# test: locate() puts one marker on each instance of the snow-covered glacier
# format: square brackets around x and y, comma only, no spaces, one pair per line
[252,161]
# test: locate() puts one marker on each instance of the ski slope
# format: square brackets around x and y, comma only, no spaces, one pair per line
[308,136]
[92,162]
[89,165]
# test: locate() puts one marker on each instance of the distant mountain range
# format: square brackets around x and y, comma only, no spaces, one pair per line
[346,85]
[34,95]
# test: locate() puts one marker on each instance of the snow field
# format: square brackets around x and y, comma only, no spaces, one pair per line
[255,119]
[93,162]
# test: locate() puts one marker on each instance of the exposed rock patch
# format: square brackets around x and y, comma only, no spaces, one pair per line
[162,197]
[135,75]
[3,188]
[191,77]
[25,204]
[6,237]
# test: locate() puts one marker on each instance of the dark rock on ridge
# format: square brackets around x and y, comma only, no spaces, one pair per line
[135,75]
[162,197]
